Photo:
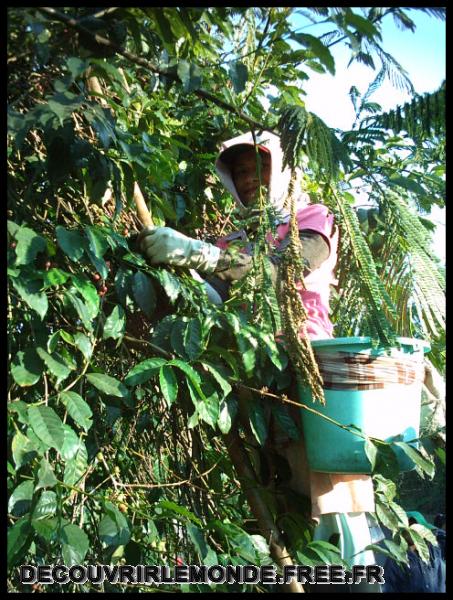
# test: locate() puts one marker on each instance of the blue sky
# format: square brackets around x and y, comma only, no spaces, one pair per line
[421,53]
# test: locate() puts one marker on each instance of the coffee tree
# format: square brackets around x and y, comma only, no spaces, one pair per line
[128,442]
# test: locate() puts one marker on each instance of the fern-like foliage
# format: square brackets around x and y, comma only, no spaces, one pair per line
[420,118]
[304,133]
[410,283]
[428,282]
[366,306]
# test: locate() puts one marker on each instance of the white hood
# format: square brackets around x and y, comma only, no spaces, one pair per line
[279,178]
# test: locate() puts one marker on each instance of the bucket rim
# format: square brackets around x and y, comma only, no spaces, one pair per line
[366,340]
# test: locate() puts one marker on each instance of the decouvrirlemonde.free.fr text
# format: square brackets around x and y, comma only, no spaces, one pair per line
[179,574]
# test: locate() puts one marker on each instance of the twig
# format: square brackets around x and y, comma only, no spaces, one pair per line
[49,11]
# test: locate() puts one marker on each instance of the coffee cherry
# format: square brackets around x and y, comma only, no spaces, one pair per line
[13,245]
[96,277]
[48,265]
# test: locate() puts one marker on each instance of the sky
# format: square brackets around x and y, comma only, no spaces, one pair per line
[422,54]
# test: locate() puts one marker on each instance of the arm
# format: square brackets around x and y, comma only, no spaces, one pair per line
[232,266]
[164,245]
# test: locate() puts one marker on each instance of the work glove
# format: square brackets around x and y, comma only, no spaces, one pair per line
[163,245]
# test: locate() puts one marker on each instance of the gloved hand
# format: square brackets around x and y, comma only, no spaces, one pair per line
[167,246]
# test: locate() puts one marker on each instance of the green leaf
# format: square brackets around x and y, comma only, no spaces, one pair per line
[19,502]
[23,450]
[20,408]
[227,413]
[89,293]
[40,446]
[71,242]
[76,466]
[177,337]
[64,104]
[47,425]
[285,421]
[193,338]
[69,359]
[70,443]
[238,74]
[55,364]
[386,516]
[400,512]
[115,324]
[54,277]
[26,367]
[144,293]
[419,543]
[29,292]
[84,344]
[247,345]
[426,465]
[163,26]
[76,66]
[142,372]
[108,385]
[191,374]
[408,184]
[206,554]
[207,407]
[174,508]
[362,25]
[74,544]
[386,461]
[48,528]
[327,552]
[97,241]
[53,340]
[169,282]
[371,452]
[46,505]
[318,49]
[81,308]
[19,538]
[78,409]
[46,476]
[168,384]
[123,284]
[29,244]
[114,529]
[190,75]
[11,226]
[257,420]
[225,386]
[397,551]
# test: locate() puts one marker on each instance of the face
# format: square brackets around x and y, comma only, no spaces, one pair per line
[245,176]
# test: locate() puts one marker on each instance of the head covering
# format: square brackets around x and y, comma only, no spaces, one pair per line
[279,177]
[419,518]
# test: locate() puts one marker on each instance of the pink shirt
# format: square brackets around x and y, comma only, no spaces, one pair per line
[316,295]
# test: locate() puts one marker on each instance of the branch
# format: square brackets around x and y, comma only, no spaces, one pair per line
[49,11]
[263,515]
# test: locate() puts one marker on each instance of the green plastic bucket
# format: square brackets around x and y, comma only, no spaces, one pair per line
[390,413]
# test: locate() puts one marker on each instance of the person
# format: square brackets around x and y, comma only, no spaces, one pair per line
[417,576]
[440,523]
[339,501]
